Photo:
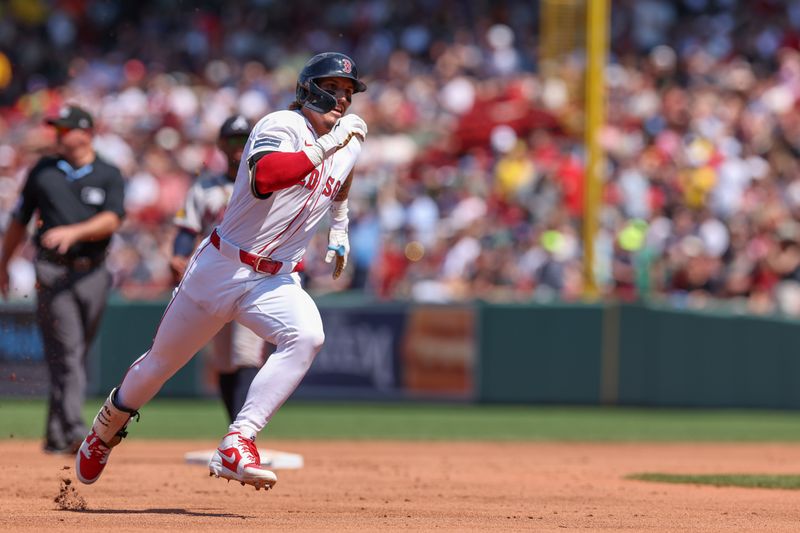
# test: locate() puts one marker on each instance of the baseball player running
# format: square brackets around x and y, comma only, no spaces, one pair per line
[297,166]
[238,352]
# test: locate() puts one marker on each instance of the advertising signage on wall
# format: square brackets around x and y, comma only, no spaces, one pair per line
[438,353]
[360,352]
[372,352]
[394,352]
[21,339]
[22,367]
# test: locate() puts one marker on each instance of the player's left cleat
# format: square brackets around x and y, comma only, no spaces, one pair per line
[91,459]
[108,429]
[237,459]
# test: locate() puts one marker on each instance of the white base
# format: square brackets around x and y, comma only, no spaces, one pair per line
[269,458]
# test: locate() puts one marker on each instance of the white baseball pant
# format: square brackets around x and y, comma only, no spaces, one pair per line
[236,346]
[214,291]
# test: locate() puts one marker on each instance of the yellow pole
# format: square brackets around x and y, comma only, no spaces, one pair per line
[596,48]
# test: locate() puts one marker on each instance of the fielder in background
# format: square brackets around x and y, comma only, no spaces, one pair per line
[79,201]
[297,166]
[237,352]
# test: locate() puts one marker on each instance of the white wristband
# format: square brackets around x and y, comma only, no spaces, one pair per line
[315,154]
[339,218]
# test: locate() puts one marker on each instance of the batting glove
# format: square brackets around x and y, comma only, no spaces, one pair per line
[338,247]
[345,129]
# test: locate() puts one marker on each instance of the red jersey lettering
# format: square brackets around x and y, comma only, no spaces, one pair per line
[328,186]
[336,189]
[313,180]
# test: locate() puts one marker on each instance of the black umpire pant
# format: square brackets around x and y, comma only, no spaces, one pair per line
[71,298]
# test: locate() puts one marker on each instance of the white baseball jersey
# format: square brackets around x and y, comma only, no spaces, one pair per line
[205,204]
[281,226]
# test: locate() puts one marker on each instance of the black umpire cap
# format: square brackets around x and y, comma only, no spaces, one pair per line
[234,126]
[72,117]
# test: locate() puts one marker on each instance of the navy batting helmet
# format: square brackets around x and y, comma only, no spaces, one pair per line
[326,65]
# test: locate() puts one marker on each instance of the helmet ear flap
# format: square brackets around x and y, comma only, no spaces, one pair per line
[315,98]
[301,94]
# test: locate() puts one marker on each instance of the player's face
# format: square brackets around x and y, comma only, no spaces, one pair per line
[233,147]
[70,139]
[341,89]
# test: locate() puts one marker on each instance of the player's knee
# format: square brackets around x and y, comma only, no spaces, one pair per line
[305,345]
[302,342]
[311,340]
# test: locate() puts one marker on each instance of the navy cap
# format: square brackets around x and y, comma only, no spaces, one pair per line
[72,117]
[235,125]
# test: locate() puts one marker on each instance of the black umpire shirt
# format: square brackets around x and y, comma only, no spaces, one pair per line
[64,195]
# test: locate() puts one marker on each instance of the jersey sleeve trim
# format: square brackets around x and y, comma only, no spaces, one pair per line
[267,142]
[252,164]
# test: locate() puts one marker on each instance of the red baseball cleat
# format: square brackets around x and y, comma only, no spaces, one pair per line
[91,459]
[237,458]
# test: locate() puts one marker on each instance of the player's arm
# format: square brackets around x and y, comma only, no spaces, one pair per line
[272,171]
[338,241]
[182,248]
[185,242]
[189,223]
[344,190]
[100,226]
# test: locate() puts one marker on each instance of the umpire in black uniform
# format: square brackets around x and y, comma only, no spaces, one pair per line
[79,200]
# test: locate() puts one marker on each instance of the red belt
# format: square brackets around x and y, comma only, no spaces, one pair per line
[259,263]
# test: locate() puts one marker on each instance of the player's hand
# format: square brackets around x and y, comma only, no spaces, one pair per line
[346,128]
[349,126]
[339,248]
[177,264]
[60,238]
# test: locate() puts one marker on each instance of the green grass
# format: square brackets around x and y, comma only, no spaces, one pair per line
[204,418]
[761,481]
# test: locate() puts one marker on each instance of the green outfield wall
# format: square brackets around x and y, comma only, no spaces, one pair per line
[673,358]
[126,333]
[630,354]
[637,355]
[540,353]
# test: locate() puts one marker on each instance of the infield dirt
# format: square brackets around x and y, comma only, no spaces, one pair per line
[372,486]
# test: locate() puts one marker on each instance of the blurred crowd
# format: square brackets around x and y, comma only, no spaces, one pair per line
[470,185]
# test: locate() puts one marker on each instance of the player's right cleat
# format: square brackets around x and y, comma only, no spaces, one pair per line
[237,459]
[91,459]
[108,429]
